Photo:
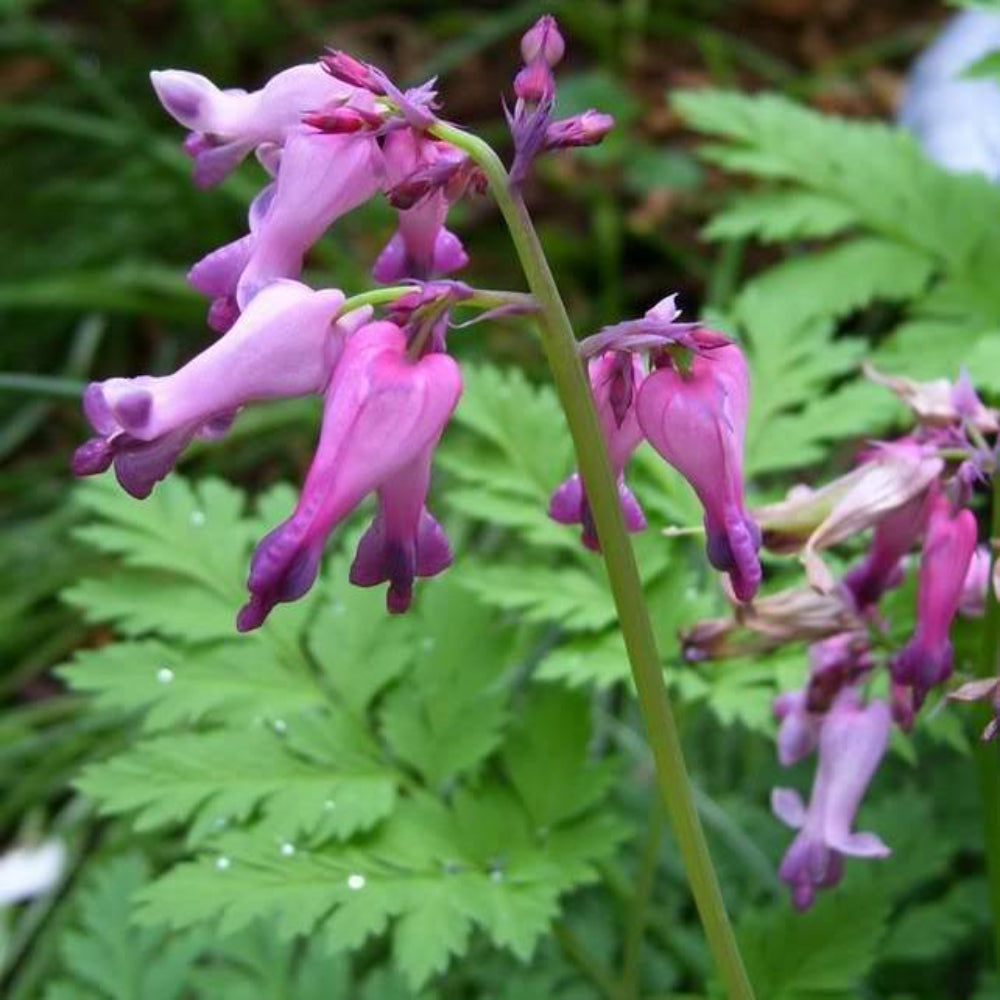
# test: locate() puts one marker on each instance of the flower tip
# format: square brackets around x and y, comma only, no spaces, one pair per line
[543,41]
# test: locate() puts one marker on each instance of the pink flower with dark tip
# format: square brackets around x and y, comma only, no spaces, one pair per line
[421,247]
[949,546]
[894,536]
[383,416]
[697,421]
[285,344]
[852,742]
[226,125]
[615,377]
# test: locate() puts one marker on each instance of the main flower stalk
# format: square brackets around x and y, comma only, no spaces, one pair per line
[574,394]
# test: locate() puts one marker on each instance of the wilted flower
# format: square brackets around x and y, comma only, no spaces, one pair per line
[696,419]
[226,125]
[615,378]
[889,476]
[772,621]
[283,345]
[949,544]
[939,403]
[384,413]
[986,689]
[852,741]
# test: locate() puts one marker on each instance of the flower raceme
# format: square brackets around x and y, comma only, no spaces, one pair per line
[384,414]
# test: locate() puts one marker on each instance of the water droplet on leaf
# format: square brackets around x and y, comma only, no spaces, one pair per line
[164,675]
[355,882]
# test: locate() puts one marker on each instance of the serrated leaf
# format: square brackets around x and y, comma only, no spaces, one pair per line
[775,216]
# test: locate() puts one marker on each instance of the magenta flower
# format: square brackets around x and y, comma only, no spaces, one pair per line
[615,378]
[697,421]
[949,545]
[421,247]
[852,741]
[384,413]
[226,125]
[283,345]
[894,536]
[321,177]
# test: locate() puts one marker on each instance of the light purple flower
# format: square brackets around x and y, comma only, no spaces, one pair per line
[321,178]
[697,421]
[226,125]
[586,129]
[384,413]
[949,545]
[976,584]
[834,663]
[852,742]
[421,247]
[895,534]
[615,378]
[284,344]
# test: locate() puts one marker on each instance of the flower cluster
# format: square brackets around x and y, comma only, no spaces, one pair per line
[692,408]
[329,135]
[912,493]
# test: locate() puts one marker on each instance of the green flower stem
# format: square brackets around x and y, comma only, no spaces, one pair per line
[574,394]
[482,298]
[988,754]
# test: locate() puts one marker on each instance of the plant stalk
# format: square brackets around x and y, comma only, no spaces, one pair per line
[988,754]
[573,389]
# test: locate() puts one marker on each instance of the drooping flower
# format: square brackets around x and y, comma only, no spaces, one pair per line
[894,536]
[384,413]
[889,475]
[834,663]
[697,421]
[283,345]
[226,125]
[421,247]
[321,177]
[615,378]
[852,741]
[949,545]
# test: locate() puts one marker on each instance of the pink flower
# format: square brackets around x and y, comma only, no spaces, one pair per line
[421,247]
[615,377]
[321,177]
[949,545]
[697,421]
[384,413]
[977,581]
[894,536]
[283,345]
[852,742]
[226,125]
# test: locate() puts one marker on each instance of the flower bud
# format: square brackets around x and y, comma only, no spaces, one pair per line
[543,41]
[587,129]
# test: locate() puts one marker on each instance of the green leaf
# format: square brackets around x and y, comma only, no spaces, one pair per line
[104,956]
[461,654]
[546,757]
[776,216]
[825,951]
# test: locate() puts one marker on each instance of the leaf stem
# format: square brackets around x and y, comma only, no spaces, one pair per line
[573,389]
[581,958]
[988,754]
[639,911]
